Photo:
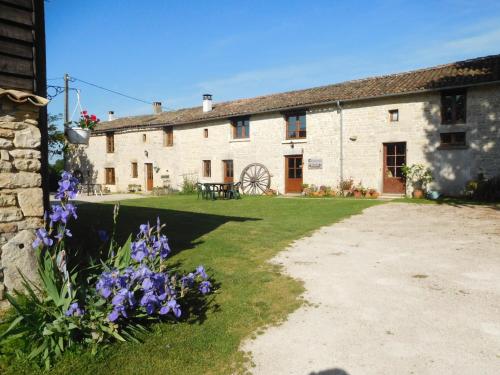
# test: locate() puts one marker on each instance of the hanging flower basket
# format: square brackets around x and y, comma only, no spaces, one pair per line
[78,136]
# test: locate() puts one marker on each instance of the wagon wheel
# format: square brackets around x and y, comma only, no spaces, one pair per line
[255,179]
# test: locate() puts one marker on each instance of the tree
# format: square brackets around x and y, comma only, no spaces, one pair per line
[55,135]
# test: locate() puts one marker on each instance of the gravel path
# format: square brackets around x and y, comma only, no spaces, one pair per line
[399,289]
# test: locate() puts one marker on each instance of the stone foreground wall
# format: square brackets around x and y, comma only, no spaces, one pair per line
[21,195]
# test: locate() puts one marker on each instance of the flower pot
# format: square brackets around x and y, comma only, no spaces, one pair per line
[78,136]
[418,193]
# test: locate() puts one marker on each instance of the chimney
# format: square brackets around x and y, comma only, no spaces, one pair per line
[156,107]
[207,102]
[111,115]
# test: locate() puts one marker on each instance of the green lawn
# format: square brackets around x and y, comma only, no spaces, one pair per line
[233,239]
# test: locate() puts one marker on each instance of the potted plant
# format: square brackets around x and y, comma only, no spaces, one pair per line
[418,176]
[345,187]
[358,191]
[372,193]
[80,134]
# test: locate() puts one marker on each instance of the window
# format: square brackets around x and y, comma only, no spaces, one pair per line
[295,167]
[241,128]
[453,104]
[134,170]
[110,176]
[168,136]
[450,140]
[205,133]
[144,137]
[394,115]
[296,126]
[207,168]
[110,143]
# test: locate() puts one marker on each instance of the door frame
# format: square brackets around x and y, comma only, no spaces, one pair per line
[226,179]
[147,167]
[286,157]
[384,165]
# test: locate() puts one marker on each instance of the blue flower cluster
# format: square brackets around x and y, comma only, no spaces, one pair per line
[143,286]
[150,244]
[60,214]
[68,186]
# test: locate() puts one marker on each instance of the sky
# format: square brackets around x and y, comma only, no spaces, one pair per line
[175,51]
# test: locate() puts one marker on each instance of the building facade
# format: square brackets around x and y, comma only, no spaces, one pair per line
[362,130]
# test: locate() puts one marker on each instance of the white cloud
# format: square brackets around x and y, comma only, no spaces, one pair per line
[478,43]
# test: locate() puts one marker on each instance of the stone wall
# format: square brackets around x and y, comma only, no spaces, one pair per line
[21,195]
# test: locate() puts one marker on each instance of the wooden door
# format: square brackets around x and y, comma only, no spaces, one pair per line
[149,176]
[394,159]
[228,171]
[293,174]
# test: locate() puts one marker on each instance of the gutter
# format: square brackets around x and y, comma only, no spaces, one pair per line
[157,126]
[341,139]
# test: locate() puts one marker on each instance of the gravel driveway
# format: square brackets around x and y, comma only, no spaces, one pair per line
[399,289]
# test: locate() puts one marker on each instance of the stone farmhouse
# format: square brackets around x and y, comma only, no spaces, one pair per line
[446,117]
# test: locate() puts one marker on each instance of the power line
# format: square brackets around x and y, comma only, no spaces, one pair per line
[112,91]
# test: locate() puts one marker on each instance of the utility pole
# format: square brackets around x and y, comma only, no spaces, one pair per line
[66,105]
[66,116]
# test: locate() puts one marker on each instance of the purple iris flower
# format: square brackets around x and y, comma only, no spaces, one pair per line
[165,248]
[205,287]
[113,315]
[172,306]
[120,297]
[200,270]
[74,310]
[147,284]
[68,186]
[149,301]
[139,250]
[105,284]
[61,233]
[188,280]
[144,229]
[42,237]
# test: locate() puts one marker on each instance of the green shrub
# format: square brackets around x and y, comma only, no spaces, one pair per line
[188,186]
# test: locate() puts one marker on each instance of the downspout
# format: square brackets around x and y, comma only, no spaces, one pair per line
[341,138]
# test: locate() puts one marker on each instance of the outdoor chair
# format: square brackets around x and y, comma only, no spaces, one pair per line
[234,191]
[211,191]
[200,189]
